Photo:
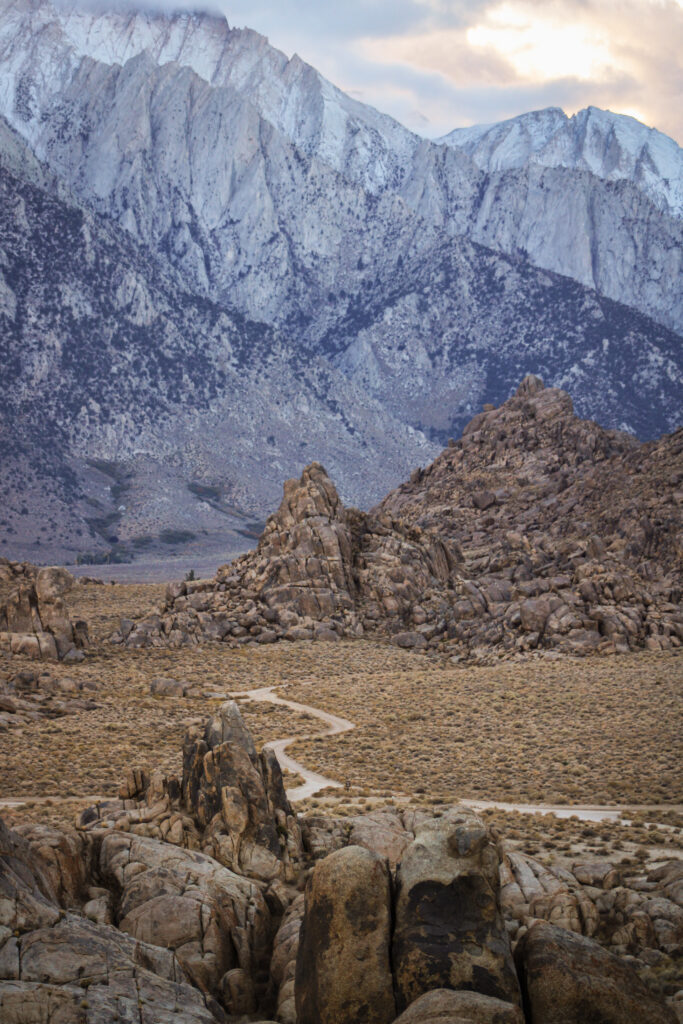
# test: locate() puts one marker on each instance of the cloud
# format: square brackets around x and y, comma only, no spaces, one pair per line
[625,56]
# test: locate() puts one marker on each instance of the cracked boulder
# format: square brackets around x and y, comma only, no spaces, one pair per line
[238,800]
[58,968]
[215,922]
[569,979]
[343,967]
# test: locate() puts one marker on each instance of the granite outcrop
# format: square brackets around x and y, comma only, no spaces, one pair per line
[536,532]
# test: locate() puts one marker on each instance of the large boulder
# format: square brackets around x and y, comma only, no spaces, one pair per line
[34,619]
[444,1006]
[52,583]
[283,961]
[569,979]
[27,897]
[63,858]
[449,932]
[59,968]
[343,968]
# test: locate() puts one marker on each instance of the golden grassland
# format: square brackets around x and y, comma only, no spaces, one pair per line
[600,730]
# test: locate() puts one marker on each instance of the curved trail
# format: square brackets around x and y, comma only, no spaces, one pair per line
[313,781]
[583,812]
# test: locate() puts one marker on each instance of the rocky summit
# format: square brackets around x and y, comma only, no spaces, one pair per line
[536,531]
[207,900]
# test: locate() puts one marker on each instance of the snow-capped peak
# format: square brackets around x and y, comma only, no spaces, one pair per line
[614,147]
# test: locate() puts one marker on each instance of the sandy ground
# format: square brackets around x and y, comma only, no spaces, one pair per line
[156,571]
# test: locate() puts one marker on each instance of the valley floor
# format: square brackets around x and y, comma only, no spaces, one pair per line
[600,731]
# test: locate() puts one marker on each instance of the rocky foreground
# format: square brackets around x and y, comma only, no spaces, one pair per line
[207,899]
[537,531]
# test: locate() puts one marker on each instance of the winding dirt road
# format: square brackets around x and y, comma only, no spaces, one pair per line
[314,782]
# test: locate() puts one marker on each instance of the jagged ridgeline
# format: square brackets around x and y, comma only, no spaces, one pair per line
[536,530]
[216,268]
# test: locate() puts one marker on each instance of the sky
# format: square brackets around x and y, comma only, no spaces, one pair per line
[436,65]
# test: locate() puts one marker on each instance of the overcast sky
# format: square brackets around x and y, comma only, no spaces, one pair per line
[441,64]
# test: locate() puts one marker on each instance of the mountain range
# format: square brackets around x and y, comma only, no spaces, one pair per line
[215,266]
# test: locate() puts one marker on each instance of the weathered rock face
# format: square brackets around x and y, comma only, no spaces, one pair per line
[449,932]
[60,967]
[283,962]
[35,621]
[567,979]
[444,1006]
[570,534]
[216,922]
[537,531]
[238,799]
[12,573]
[63,858]
[343,969]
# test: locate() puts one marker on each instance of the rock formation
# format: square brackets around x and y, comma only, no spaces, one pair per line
[26,696]
[217,923]
[319,570]
[133,916]
[570,534]
[536,531]
[230,803]
[567,979]
[57,966]
[238,799]
[449,932]
[34,620]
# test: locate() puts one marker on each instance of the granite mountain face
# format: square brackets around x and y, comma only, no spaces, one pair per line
[260,270]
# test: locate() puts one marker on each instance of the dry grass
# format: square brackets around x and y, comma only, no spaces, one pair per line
[583,731]
[104,606]
[602,731]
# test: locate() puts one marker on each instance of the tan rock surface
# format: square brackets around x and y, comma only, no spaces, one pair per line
[60,968]
[215,921]
[537,530]
[569,979]
[34,619]
[444,1006]
[343,970]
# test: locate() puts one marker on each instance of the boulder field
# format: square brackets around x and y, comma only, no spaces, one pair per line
[207,899]
[537,531]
